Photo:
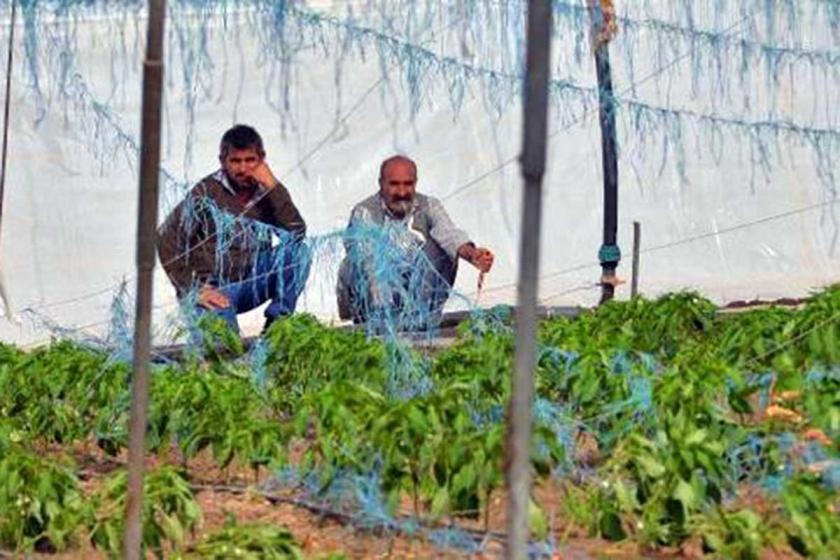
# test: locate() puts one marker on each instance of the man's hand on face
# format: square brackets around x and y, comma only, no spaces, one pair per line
[262,174]
[211,298]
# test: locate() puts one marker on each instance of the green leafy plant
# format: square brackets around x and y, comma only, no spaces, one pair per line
[662,482]
[169,512]
[589,507]
[217,342]
[56,393]
[812,516]
[305,355]
[41,506]
[668,389]
[739,535]
[195,410]
[432,448]
[250,541]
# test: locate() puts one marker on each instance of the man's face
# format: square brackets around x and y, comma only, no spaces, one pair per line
[239,165]
[397,185]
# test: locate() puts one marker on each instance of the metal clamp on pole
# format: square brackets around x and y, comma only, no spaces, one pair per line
[609,256]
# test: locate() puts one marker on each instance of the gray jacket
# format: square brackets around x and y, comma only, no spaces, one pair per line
[426,227]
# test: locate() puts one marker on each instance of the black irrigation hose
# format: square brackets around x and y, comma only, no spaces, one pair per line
[325,512]
[349,519]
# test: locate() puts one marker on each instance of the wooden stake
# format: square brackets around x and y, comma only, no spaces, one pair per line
[637,241]
[533,167]
[146,237]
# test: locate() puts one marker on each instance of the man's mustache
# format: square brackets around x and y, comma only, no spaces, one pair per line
[401,206]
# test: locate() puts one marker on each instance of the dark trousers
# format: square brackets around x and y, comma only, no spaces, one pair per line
[407,296]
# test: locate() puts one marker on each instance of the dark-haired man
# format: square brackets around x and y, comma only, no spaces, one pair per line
[220,243]
[402,253]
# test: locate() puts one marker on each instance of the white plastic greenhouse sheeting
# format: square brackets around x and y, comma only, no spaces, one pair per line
[69,220]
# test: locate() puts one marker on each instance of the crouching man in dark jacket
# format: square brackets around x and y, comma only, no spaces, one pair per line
[236,240]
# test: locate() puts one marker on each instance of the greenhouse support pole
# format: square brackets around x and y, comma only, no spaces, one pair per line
[637,243]
[609,254]
[7,105]
[532,161]
[146,236]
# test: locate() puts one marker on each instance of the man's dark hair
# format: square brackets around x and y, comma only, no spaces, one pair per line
[241,137]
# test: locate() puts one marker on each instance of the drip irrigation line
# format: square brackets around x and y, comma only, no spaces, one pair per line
[343,518]
[350,519]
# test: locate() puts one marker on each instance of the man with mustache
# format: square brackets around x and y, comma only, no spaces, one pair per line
[402,254]
[217,245]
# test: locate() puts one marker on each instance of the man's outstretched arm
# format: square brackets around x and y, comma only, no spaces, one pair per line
[455,241]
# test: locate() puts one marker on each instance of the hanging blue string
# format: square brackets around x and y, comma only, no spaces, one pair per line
[287,30]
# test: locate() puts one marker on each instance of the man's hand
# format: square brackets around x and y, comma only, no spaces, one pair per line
[482,259]
[479,257]
[211,298]
[262,174]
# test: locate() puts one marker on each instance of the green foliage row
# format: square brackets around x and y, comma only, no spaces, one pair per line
[43,508]
[666,388]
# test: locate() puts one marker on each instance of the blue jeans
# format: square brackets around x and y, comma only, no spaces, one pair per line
[279,275]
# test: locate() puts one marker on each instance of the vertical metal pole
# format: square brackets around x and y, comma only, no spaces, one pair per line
[533,167]
[8,103]
[146,233]
[637,241]
[609,255]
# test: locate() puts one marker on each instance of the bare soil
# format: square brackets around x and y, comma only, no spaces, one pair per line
[221,494]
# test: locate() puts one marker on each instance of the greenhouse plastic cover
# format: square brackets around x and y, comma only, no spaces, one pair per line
[716,215]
